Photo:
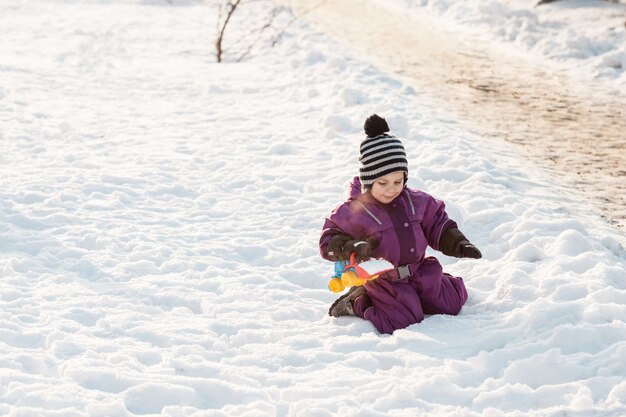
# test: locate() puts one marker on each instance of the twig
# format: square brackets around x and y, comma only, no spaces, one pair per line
[220,37]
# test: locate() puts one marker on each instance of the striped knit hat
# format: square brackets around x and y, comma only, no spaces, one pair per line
[381,154]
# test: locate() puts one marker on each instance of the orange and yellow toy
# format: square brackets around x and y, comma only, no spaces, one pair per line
[350,274]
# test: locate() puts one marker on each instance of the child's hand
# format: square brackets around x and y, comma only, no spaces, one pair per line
[336,247]
[467,250]
[361,248]
[454,243]
[342,246]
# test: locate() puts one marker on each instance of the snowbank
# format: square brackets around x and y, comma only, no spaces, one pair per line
[589,36]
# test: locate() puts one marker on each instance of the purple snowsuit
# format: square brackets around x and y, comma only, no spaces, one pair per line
[399,232]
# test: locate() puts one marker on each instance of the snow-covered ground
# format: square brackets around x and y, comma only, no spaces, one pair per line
[159,227]
[586,35]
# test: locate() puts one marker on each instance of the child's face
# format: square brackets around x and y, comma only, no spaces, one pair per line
[386,188]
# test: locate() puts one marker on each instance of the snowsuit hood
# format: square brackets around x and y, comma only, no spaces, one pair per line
[354,190]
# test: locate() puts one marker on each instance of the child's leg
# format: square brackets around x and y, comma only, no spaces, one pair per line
[439,292]
[389,306]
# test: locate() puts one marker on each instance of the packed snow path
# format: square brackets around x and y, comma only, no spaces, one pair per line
[572,127]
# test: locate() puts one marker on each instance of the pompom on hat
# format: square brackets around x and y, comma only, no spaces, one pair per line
[381,153]
[375,125]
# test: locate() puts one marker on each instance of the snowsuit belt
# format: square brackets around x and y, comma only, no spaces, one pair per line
[403,271]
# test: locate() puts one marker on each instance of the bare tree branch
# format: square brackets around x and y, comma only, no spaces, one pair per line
[260,30]
[228,8]
[304,13]
[220,37]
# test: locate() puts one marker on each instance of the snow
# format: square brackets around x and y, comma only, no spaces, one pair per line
[375,265]
[587,36]
[160,218]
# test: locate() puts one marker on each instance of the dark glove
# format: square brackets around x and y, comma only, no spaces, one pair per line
[361,248]
[454,243]
[342,246]
[335,247]
[465,249]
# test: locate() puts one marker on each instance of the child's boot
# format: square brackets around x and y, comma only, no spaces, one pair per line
[343,305]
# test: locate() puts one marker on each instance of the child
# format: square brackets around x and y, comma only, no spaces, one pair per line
[383,218]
